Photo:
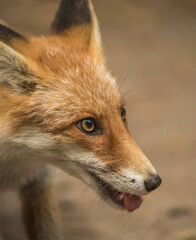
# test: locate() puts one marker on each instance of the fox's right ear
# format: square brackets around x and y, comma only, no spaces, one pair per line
[76,20]
[15,72]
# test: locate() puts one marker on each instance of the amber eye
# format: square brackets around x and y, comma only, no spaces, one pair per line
[88,126]
[123,113]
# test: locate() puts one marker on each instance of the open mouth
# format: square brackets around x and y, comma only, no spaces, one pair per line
[124,200]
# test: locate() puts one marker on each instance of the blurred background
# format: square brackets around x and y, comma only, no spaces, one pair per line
[151,48]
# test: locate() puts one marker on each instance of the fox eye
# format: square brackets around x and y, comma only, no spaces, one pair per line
[123,114]
[88,126]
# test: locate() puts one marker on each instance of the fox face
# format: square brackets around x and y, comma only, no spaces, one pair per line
[59,101]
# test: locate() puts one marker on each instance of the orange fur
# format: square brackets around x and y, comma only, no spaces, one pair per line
[47,85]
[63,69]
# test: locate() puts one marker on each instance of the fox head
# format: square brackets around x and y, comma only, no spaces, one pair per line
[58,100]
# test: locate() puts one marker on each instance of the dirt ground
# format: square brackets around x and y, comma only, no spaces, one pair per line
[153,44]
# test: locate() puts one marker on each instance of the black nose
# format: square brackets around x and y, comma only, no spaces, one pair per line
[152,183]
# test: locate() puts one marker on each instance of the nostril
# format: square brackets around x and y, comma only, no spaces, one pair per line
[153,183]
[133,181]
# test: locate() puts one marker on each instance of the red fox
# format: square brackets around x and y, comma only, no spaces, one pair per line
[59,106]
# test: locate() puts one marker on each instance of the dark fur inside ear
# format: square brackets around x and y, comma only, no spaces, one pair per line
[77,21]
[28,87]
[71,13]
[15,72]
[7,34]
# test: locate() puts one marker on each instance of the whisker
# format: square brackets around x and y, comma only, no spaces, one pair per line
[125,78]
[130,90]
[93,201]
[98,171]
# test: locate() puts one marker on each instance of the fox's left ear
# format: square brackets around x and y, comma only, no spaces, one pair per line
[7,35]
[15,73]
[76,20]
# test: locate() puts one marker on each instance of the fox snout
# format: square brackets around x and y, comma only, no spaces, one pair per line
[127,160]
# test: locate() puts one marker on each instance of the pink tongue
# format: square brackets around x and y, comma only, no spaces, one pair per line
[131,202]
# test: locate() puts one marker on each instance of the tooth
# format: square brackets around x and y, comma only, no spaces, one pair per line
[121,196]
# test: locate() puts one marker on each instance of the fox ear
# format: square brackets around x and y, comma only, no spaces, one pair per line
[14,71]
[76,20]
[7,35]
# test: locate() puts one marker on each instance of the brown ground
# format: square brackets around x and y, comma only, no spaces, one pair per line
[157,41]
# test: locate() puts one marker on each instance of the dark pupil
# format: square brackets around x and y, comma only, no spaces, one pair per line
[123,112]
[88,123]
